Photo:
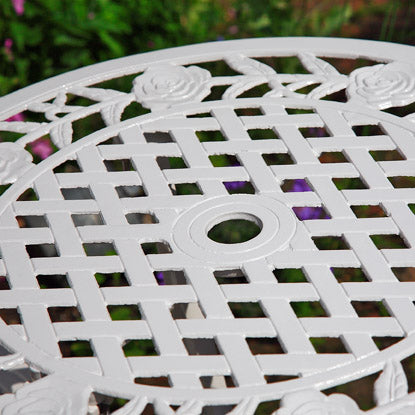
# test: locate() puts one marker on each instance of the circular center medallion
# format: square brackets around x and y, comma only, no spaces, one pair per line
[191,228]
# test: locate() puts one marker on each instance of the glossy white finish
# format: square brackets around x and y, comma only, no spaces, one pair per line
[174,93]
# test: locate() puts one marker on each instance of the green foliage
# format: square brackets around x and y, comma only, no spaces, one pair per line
[234,231]
[124,312]
[56,36]
[52,36]
[291,275]
[143,347]
[121,313]
[114,280]
[81,348]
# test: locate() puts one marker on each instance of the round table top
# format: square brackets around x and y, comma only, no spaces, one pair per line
[122,273]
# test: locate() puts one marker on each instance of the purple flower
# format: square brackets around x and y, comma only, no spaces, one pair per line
[316,132]
[159,277]
[307,212]
[300,185]
[42,148]
[8,43]
[234,185]
[18,6]
[16,117]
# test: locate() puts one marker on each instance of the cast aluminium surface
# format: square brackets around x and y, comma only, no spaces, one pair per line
[173,84]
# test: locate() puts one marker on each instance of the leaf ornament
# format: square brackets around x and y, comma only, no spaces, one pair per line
[190,408]
[294,86]
[162,408]
[15,161]
[61,134]
[317,66]
[49,395]
[327,88]
[256,73]
[11,361]
[96,94]
[134,407]
[248,66]
[19,126]
[112,114]
[391,384]
[246,407]
[242,86]
[279,90]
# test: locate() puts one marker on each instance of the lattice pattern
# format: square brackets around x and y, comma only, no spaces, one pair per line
[123,198]
[299,358]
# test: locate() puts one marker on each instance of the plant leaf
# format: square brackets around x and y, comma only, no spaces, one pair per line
[248,66]
[317,65]
[391,384]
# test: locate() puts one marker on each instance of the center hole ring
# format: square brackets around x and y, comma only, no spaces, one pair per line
[276,220]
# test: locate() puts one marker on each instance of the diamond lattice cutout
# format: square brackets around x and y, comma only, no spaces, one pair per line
[197,324]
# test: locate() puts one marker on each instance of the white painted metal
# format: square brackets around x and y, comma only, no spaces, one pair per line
[174,93]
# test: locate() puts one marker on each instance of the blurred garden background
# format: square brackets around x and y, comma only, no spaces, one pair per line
[43,38]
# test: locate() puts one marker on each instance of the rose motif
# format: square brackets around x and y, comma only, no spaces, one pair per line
[383,86]
[162,86]
[37,405]
[50,395]
[312,402]
[14,162]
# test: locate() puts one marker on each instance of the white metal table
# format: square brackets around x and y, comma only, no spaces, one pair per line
[109,203]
